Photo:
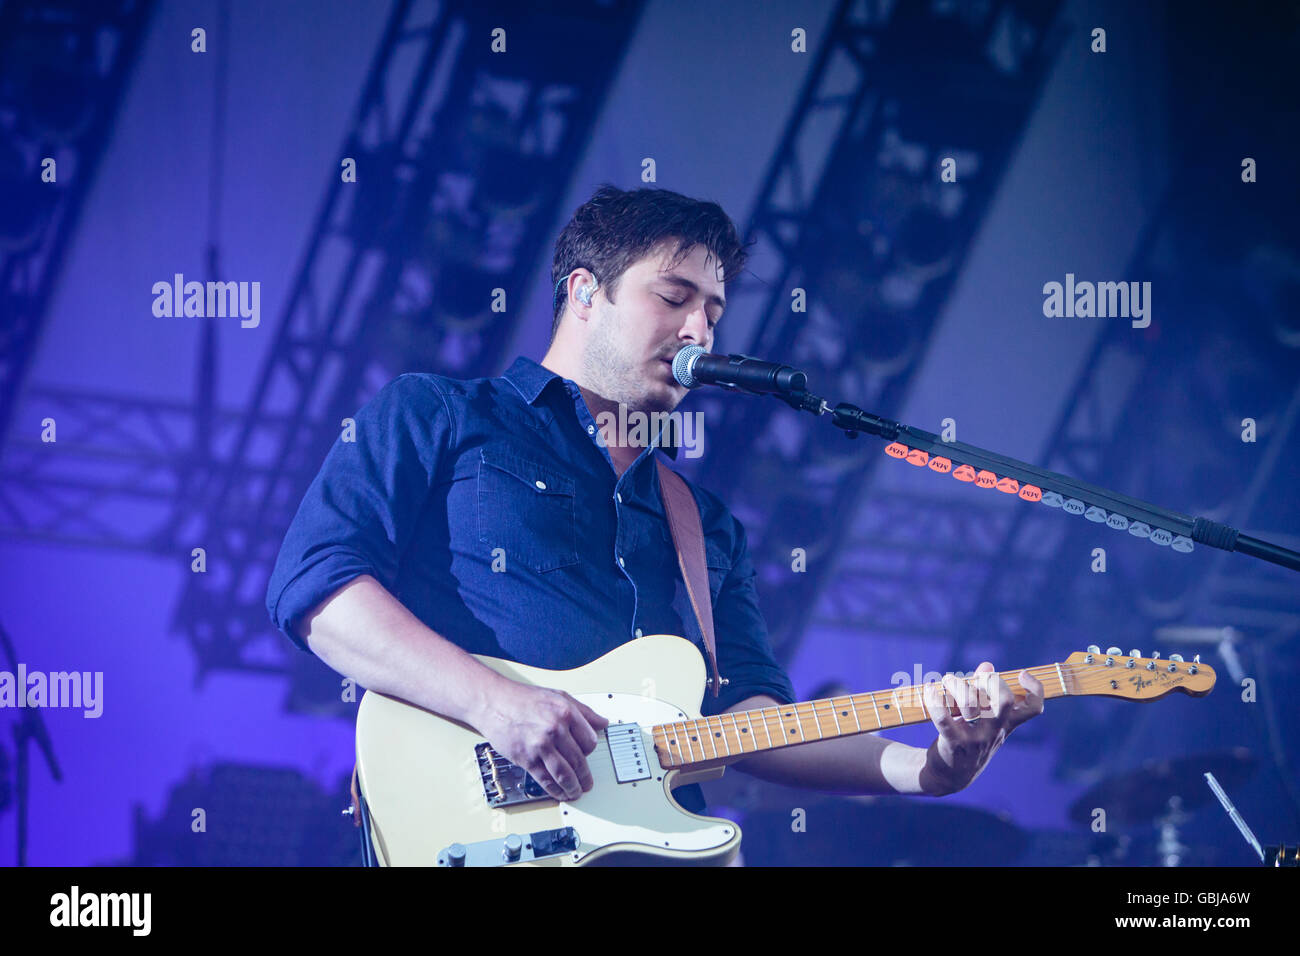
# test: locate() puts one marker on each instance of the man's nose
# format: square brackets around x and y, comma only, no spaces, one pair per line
[696,328]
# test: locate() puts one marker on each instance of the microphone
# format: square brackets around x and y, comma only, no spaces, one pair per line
[693,367]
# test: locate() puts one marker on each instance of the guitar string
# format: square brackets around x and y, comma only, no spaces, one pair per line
[1048,670]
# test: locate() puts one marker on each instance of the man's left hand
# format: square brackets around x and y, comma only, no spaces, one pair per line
[989,712]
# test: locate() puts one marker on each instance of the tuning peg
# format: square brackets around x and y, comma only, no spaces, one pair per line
[1094,649]
[1113,652]
[1155,655]
[1176,657]
[1196,659]
[1135,653]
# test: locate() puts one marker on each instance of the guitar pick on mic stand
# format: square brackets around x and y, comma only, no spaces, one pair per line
[693,366]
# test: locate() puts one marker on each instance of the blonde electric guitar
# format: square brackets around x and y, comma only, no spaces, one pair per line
[439,795]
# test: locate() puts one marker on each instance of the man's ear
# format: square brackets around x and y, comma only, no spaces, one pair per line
[588,289]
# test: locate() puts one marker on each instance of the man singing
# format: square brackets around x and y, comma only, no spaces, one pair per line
[508,517]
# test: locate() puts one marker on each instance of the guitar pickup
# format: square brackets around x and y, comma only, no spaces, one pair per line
[627,750]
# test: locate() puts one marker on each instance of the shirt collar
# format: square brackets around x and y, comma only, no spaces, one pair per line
[531,379]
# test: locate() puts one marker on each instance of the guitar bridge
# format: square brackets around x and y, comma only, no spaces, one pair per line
[505,784]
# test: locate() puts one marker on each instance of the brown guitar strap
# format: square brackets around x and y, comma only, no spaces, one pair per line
[688,539]
[356,799]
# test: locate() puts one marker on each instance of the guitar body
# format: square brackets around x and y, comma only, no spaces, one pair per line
[424,780]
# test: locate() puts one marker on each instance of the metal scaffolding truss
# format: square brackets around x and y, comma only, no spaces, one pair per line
[875,237]
[1178,458]
[112,479]
[462,157]
[913,565]
[62,71]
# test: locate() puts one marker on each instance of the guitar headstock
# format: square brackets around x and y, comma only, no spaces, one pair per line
[1135,677]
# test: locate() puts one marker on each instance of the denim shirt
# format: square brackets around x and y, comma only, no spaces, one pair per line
[444,472]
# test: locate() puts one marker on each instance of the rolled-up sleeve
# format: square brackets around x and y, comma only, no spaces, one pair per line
[745,656]
[359,512]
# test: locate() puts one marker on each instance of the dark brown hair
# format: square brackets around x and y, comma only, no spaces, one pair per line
[616,228]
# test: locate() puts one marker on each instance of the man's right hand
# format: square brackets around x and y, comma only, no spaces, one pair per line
[547,732]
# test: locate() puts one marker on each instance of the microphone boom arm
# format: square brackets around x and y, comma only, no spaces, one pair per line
[988,469]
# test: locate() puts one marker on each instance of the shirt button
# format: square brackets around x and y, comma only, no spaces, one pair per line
[620,561]
[591,429]
[618,497]
[541,485]
[637,632]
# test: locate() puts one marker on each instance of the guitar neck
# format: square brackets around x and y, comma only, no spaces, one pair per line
[710,739]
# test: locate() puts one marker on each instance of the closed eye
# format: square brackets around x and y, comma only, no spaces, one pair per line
[712,322]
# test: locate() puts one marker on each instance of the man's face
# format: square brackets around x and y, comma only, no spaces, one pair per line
[630,345]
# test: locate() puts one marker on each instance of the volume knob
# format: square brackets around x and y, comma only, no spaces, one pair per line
[512,847]
[456,854]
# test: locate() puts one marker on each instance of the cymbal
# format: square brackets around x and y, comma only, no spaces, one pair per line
[1142,795]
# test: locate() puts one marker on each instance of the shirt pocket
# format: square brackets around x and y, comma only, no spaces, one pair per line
[719,564]
[526,509]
